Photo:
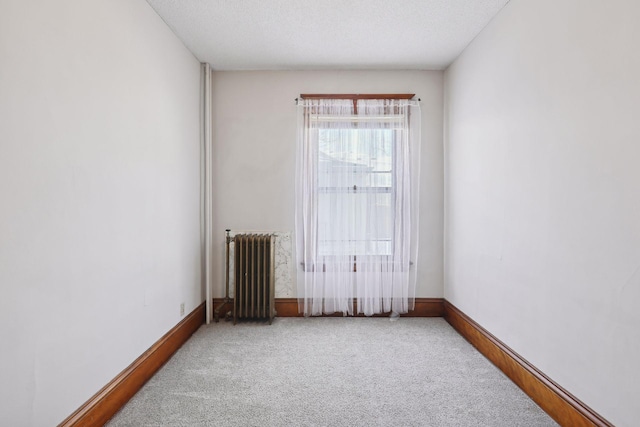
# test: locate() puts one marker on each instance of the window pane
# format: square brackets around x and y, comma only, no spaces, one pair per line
[360,157]
[355,212]
[364,225]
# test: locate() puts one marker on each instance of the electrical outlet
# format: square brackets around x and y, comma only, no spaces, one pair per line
[182,309]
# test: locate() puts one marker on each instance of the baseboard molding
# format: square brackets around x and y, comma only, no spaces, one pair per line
[104,404]
[288,307]
[561,405]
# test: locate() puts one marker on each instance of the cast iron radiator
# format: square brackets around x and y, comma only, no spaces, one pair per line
[254,277]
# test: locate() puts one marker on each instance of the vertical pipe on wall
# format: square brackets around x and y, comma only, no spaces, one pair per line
[207,189]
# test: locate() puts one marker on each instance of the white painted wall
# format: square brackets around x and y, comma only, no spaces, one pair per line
[254,154]
[543,192]
[99,197]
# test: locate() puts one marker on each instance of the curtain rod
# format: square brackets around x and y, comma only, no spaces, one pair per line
[355,96]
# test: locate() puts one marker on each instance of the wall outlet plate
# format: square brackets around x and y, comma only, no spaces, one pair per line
[182,309]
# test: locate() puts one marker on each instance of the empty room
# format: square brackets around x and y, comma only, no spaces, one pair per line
[334,212]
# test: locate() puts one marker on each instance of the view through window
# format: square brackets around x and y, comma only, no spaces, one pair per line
[355,174]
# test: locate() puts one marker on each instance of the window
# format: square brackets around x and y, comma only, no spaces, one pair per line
[356,204]
[355,171]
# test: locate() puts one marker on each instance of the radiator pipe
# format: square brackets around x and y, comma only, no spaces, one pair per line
[216,312]
[208,207]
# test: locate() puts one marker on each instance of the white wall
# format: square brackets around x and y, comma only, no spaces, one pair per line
[99,197]
[254,154]
[543,192]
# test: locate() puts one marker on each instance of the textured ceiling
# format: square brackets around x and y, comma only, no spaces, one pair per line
[326,34]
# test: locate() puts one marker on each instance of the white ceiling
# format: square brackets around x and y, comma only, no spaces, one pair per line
[327,34]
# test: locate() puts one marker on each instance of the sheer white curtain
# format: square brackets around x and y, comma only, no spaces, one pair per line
[357,190]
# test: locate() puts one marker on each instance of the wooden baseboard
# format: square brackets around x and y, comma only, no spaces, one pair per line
[561,405]
[288,307]
[104,404]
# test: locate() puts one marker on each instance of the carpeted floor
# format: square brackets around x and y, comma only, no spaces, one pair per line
[330,372]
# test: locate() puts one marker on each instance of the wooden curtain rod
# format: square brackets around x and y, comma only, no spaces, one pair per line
[358,96]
